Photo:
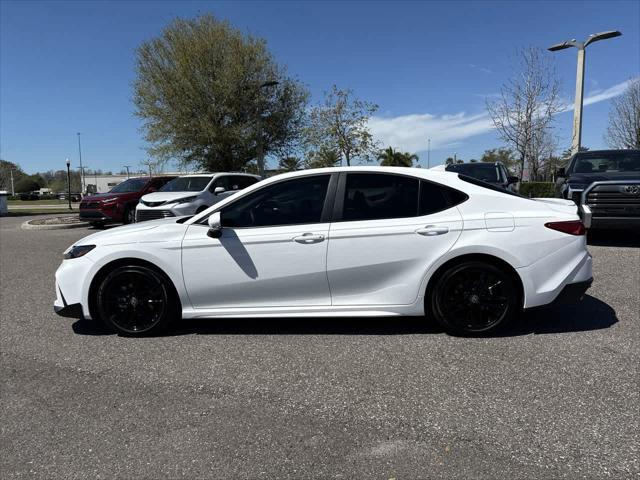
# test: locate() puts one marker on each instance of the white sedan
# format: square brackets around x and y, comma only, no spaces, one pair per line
[355,241]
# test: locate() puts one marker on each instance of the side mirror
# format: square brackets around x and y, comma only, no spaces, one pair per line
[215,225]
[561,172]
[219,190]
[511,180]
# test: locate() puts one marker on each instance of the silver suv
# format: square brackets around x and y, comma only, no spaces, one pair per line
[191,194]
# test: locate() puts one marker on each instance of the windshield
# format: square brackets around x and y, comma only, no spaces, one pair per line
[186,184]
[131,185]
[486,172]
[606,162]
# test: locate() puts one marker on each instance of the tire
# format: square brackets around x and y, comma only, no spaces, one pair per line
[134,300]
[129,215]
[474,298]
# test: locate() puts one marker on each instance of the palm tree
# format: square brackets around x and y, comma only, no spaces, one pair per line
[291,164]
[392,158]
[325,157]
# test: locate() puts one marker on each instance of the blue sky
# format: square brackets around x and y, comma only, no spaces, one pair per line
[68,66]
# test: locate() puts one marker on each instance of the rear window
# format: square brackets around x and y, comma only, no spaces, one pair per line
[487,172]
[489,186]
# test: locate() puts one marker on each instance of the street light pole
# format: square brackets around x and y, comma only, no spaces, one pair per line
[127,167]
[576,136]
[82,182]
[13,190]
[69,183]
[428,153]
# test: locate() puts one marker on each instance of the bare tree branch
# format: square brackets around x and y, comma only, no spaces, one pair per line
[624,119]
[523,114]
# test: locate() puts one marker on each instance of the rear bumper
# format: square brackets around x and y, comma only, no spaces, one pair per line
[572,293]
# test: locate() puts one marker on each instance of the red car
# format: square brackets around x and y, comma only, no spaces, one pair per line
[119,204]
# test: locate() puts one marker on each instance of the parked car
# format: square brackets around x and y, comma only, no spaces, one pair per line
[493,173]
[345,241]
[75,197]
[119,204]
[35,195]
[191,194]
[606,186]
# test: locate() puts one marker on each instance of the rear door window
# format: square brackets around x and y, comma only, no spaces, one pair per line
[375,196]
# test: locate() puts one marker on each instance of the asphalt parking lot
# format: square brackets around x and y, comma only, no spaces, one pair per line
[556,396]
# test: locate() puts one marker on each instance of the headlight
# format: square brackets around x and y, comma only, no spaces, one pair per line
[187,199]
[78,251]
[109,200]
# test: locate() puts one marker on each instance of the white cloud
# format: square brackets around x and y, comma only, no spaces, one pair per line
[411,132]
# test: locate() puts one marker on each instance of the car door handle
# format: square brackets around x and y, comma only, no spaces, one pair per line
[307,238]
[432,230]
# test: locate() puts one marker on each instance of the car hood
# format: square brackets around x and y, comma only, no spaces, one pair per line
[132,233]
[587,178]
[168,196]
[97,197]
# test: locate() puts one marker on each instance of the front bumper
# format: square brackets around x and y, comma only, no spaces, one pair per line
[72,288]
[144,213]
[95,216]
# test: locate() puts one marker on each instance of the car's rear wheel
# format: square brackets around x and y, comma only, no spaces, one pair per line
[135,300]
[474,297]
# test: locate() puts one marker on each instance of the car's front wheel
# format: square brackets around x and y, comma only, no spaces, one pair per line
[474,297]
[129,215]
[135,300]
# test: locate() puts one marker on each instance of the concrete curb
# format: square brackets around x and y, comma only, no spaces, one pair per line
[28,226]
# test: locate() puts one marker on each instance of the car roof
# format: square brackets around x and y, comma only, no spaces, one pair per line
[601,152]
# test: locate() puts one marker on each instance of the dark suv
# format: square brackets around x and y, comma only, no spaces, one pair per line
[493,173]
[119,204]
[605,184]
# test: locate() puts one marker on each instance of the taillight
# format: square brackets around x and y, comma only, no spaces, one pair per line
[573,227]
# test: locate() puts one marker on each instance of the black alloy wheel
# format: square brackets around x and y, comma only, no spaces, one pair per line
[474,297]
[135,300]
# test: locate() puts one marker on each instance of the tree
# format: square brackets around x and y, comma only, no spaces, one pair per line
[210,96]
[502,155]
[290,164]
[29,183]
[323,158]
[523,114]
[6,168]
[392,158]
[624,119]
[341,125]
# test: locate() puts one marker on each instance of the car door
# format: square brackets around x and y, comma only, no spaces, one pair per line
[387,231]
[272,252]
